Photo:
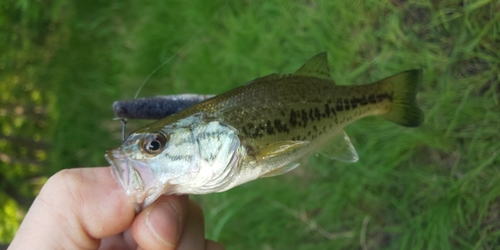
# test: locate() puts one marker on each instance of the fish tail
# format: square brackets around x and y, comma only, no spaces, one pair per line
[404,109]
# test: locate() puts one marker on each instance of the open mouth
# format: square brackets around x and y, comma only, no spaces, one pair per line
[136,177]
[124,171]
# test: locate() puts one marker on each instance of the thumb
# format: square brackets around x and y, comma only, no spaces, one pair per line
[75,209]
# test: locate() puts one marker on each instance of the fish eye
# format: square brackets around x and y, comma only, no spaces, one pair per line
[153,144]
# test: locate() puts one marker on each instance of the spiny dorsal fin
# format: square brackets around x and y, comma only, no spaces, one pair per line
[316,67]
[269,77]
[340,148]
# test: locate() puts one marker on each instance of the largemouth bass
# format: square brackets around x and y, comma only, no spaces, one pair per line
[257,130]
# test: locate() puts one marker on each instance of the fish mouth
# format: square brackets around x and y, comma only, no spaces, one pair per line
[136,177]
[124,172]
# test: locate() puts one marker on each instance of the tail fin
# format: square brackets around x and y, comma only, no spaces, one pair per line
[404,110]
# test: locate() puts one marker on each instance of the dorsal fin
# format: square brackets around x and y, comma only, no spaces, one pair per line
[269,77]
[316,67]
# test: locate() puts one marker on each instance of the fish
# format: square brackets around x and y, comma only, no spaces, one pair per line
[260,129]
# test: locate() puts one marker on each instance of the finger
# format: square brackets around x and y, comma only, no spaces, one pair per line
[75,209]
[127,235]
[160,225]
[114,242]
[119,241]
[193,236]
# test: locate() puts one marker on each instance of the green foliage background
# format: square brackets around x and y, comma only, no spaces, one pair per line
[64,62]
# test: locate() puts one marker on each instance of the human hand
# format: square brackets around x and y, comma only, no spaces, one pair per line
[84,208]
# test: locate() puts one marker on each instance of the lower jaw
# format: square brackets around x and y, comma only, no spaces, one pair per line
[121,173]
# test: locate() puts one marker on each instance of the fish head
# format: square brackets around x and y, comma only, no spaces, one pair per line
[189,156]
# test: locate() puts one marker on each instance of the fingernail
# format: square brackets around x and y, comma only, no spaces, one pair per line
[164,221]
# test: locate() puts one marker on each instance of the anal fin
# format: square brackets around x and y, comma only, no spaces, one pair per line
[340,148]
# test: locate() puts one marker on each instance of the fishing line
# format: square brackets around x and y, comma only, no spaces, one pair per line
[167,61]
[189,42]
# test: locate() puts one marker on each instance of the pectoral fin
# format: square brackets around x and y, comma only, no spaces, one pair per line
[279,148]
[282,170]
[340,148]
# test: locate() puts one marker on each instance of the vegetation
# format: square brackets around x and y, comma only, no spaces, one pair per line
[63,63]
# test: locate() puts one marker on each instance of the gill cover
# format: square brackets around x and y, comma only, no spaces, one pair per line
[201,156]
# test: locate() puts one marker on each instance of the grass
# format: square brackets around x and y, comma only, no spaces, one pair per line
[433,187]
